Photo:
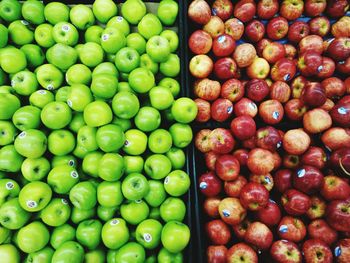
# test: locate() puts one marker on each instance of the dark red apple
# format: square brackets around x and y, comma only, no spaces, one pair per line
[277,28]
[317,209]
[257,89]
[243,127]
[209,184]
[200,42]
[254,30]
[265,180]
[314,94]
[211,206]
[319,229]
[225,68]
[344,66]
[221,141]
[241,253]
[254,196]
[242,156]
[268,138]
[232,90]
[315,250]
[334,87]
[338,215]
[259,235]
[339,48]
[295,109]
[222,9]
[308,179]
[199,11]
[273,51]
[270,214]
[283,180]
[284,251]
[203,106]
[221,109]
[245,107]
[327,68]
[280,91]
[223,45]
[241,229]
[342,250]
[335,188]
[341,114]
[297,31]
[314,156]
[311,43]
[295,202]
[266,9]
[231,211]
[291,161]
[337,8]
[249,144]
[292,229]
[216,254]
[283,70]
[233,188]
[244,10]
[260,46]
[315,7]
[292,9]
[227,167]
[207,89]
[310,63]
[218,232]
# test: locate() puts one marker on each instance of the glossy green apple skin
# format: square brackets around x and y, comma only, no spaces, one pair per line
[165,256]
[125,105]
[56,12]
[20,33]
[69,251]
[173,209]
[43,35]
[9,253]
[119,23]
[8,189]
[134,212]
[34,196]
[27,117]
[172,38]
[115,233]
[33,237]
[156,194]
[133,164]
[109,194]
[127,59]
[175,236]
[5,235]
[171,67]
[10,10]
[4,36]
[184,110]
[78,74]
[7,132]
[79,215]
[56,213]
[64,160]
[148,233]
[177,158]
[79,96]
[104,10]
[13,60]
[149,26]
[125,124]
[61,142]
[10,159]
[136,41]
[77,122]
[131,252]
[49,76]
[24,83]
[147,63]
[95,256]
[56,115]
[110,138]
[62,56]
[111,167]
[105,68]
[135,186]
[91,54]
[34,54]
[141,80]
[35,169]
[31,143]
[44,255]
[97,113]
[83,195]
[160,141]
[89,233]
[167,12]
[41,97]
[65,33]
[158,48]
[161,97]
[157,166]
[112,40]
[133,11]
[61,234]
[182,134]
[177,183]
[104,85]
[106,213]
[154,213]
[12,215]
[33,12]
[135,142]
[91,163]
[82,16]
[62,94]
[62,178]
[9,104]
[147,119]
[87,138]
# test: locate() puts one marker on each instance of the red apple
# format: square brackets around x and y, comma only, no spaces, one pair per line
[223,45]
[342,251]
[225,68]
[244,55]
[227,167]
[347,85]
[221,109]
[283,70]
[336,138]
[315,7]
[241,229]
[315,250]
[249,144]
[266,9]
[320,26]
[222,9]
[257,89]
[339,48]
[268,138]
[241,253]
[265,180]
[291,161]
[283,180]
[292,9]
[277,160]
[337,8]
[338,215]
[295,202]
[308,179]
[231,211]
[234,188]
[340,160]
[221,141]
[297,31]
[260,46]
[341,114]
[327,68]
[271,111]
[216,254]
[295,109]
[259,69]
[260,161]
[245,107]
[317,209]
[341,27]
[242,156]
[314,94]
[344,66]
[200,42]
[209,184]
[328,105]
[234,28]
[310,63]
[211,206]
[284,251]
[335,188]
[291,51]
[270,214]
[273,52]
[214,27]
[201,66]
[255,30]
[296,141]
[280,91]
[291,229]
[298,84]
[311,43]
[243,127]
[210,160]
[203,106]
[202,142]
[232,90]
[207,89]
[199,11]
[316,121]
[259,235]
[254,196]
[319,229]
[277,28]
[334,87]
[314,156]
[244,10]
[218,232]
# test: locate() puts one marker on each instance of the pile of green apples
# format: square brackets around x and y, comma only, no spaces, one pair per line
[92,133]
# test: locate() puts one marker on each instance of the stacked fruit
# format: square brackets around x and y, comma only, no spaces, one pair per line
[278,158]
[92,133]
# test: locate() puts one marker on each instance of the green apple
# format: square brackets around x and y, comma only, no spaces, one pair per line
[166,256]
[77,122]
[24,83]
[3,36]
[49,77]
[8,252]
[31,143]
[177,183]
[157,166]
[27,117]
[167,12]
[34,55]
[97,113]
[62,178]
[172,38]
[78,74]
[125,105]
[20,33]
[148,233]
[110,57]
[147,119]
[173,208]
[137,42]
[62,94]
[65,33]
[56,12]
[5,235]
[7,133]
[95,256]
[160,141]
[61,142]
[104,85]
[147,63]
[12,60]
[111,167]
[154,213]
[171,67]
[131,252]
[33,237]
[133,11]
[93,34]
[182,134]
[10,159]
[69,251]
[9,104]
[141,80]
[89,233]
[35,196]
[62,56]
[124,86]
[91,163]
[109,194]
[3,80]
[82,16]
[79,215]
[125,124]
[133,164]
[12,215]
[135,142]
[135,186]
[149,26]
[151,259]
[91,54]
[56,213]
[44,255]
[33,12]
[56,115]
[177,158]
[115,233]
[43,35]
[105,68]
[106,213]
[80,151]
[104,10]
[134,212]
[64,160]
[120,23]
[6,89]
[61,234]
[35,169]
[156,194]
[10,10]
[83,195]
[111,254]
[9,189]
[110,138]
[172,84]
[158,48]
[78,97]
[40,98]
[112,40]
[127,59]
[184,110]
[161,97]
[175,236]
[87,138]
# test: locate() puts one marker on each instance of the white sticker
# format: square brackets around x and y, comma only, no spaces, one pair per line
[147,237]
[342,110]
[24,22]
[74,174]
[64,201]
[301,173]
[22,134]
[226,213]
[114,222]
[279,144]
[119,18]
[167,179]
[65,28]
[126,143]
[203,185]
[275,115]
[221,39]
[319,69]
[252,105]
[229,110]
[337,251]
[267,180]
[9,186]
[32,204]
[213,10]
[50,87]
[240,22]
[105,37]
[283,229]
[42,92]
[71,163]
[70,103]
[286,77]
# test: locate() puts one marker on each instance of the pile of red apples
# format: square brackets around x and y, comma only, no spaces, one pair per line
[273,77]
